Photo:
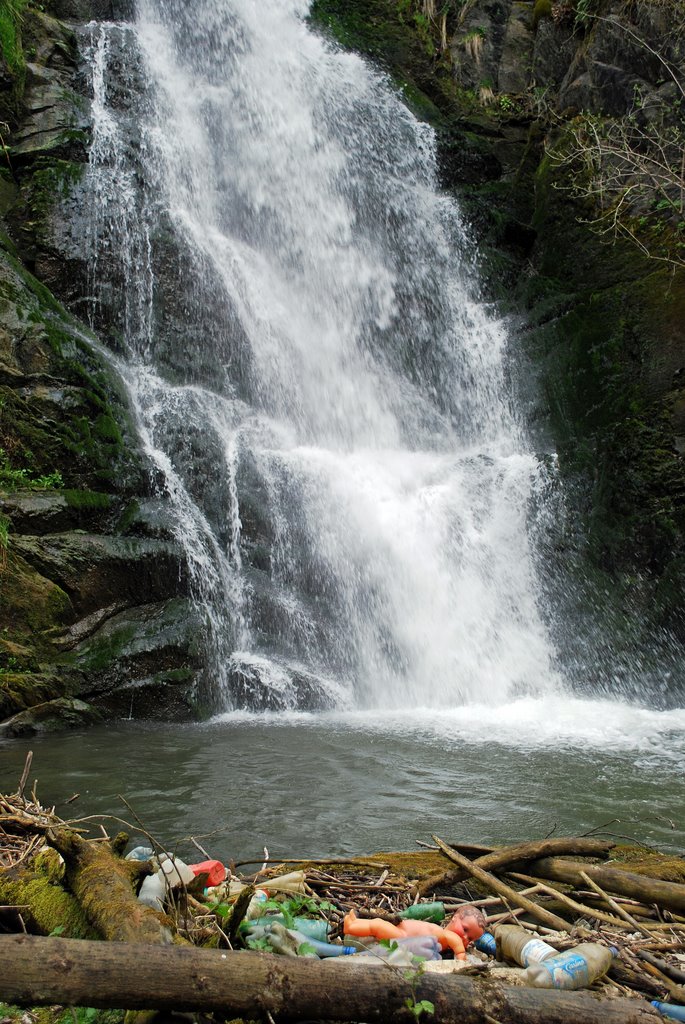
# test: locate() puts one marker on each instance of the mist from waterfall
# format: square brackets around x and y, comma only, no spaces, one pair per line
[320,390]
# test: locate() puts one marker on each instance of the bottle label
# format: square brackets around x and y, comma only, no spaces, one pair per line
[568,971]
[535,951]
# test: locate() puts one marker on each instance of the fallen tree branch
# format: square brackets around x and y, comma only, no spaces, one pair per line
[39,971]
[614,905]
[670,895]
[103,885]
[544,916]
[519,855]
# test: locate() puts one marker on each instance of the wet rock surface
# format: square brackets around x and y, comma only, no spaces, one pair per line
[91,574]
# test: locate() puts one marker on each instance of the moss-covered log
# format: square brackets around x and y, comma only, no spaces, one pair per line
[103,885]
[44,905]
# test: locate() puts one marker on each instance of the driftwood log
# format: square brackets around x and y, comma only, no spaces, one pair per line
[511,857]
[669,895]
[40,971]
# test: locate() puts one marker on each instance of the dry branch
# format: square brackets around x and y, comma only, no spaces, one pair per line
[544,916]
[670,895]
[519,855]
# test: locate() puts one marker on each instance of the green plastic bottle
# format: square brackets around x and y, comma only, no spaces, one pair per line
[434,912]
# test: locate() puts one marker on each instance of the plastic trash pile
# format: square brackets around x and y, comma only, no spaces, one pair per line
[379,920]
[284,916]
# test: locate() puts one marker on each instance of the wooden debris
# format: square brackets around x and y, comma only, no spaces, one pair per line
[44,972]
[670,895]
[516,856]
[97,890]
[496,885]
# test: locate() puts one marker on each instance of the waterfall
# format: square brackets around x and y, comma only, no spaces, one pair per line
[317,384]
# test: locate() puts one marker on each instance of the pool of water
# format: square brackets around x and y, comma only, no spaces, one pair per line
[342,784]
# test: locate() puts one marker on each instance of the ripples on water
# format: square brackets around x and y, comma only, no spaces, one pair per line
[358,782]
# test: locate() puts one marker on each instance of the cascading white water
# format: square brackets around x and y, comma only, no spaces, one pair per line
[315,380]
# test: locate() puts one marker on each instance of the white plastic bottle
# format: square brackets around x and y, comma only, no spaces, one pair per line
[576,968]
[172,874]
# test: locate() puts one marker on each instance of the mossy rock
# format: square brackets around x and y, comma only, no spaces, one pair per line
[22,690]
[52,716]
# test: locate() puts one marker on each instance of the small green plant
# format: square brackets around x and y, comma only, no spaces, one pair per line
[417,1008]
[585,10]
[12,478]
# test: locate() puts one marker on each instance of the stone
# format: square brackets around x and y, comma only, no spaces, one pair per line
[145,662]
[516,60]
[53,716]
[96,569]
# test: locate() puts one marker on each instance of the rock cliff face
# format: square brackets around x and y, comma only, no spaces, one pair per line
[600,321]
[95,616]
[94,611]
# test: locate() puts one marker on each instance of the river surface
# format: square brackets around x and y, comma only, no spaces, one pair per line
[349,783]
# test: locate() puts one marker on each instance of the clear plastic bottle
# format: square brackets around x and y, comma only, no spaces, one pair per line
[172,874]
[255,909]
[517,944]
[576,968]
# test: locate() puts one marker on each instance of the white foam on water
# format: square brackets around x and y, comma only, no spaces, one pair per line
[557,722]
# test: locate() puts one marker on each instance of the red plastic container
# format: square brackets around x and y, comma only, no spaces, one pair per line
[216,872]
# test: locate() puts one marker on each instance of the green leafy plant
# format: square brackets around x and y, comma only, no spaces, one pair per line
[417,1008]
[12,477]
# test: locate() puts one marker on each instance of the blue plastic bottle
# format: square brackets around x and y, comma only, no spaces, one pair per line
[670,1010]
[486,944]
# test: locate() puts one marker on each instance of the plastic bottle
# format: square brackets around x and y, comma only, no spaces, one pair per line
[177,871]
[255,908]
[172,874]
[324,949]
[426,946]
[153,891]
[576,968]
[517,944]
[434,912]
[289,941]
[402,952]
[487,944]
[140,853]
[670,1010]
[214,869]
[313,929]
